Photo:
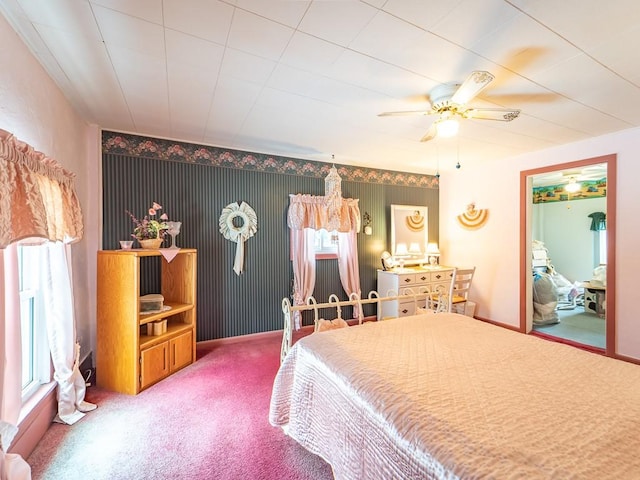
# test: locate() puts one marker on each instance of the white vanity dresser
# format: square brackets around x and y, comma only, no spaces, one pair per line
[419,279]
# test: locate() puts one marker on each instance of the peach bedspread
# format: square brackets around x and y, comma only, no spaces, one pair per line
[446,396]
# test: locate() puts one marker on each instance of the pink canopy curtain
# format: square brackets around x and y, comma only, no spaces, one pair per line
[304,268]
[348,265]
[308,213]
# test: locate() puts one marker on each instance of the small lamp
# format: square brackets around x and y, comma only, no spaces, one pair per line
[433,253]
[414,248]
[401,249]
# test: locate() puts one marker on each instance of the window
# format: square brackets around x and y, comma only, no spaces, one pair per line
[326,244]
[601,246]
[35,348]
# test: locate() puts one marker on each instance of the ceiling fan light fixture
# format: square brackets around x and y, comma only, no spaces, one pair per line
[448,127]
[572,186]
[449,102]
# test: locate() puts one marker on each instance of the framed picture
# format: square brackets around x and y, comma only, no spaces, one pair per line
[409,230]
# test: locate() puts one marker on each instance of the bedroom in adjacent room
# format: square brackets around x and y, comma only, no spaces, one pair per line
[569,254]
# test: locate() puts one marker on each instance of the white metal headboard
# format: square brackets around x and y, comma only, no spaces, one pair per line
[334,302]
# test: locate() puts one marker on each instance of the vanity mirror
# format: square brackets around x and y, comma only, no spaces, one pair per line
[409,231]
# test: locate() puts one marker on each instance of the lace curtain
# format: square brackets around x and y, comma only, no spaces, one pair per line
[37,196]
[308,213]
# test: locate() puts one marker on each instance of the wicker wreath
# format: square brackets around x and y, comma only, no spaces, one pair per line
[238,234]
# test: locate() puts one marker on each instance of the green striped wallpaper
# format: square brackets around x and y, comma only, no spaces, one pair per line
[195,193]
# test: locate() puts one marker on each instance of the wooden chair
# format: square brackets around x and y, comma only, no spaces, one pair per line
[462,284]
[440,300]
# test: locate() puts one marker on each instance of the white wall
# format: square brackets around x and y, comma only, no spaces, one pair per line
[33,108]
[494,249]
[564,227]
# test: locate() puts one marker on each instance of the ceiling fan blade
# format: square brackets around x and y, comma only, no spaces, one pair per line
[471,86]
[407,112]
[501,114]
[431,133]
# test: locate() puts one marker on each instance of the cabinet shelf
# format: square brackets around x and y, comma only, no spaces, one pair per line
[127,359]
[173,330]
[175,309]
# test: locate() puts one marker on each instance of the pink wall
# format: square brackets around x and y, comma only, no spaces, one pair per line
[36,112]
[494,249]
[33,108]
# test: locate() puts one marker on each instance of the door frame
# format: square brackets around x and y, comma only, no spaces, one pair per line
[526,281]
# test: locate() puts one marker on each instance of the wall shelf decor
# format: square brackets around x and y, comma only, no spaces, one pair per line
[473,218]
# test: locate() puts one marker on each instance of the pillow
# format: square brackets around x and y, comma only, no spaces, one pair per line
[324,325]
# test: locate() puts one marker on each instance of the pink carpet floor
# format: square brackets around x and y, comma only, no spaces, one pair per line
[207,421]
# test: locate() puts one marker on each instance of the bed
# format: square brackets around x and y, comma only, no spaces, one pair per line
[444,396]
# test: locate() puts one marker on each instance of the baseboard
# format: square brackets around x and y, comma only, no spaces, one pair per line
[241,338]
[581,346]
[498,324]
[273,333]
[41,410]
[625,358]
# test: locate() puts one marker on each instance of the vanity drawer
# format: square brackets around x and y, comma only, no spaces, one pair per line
[441,276]
[406,309]
[417,280]
[406,280]
[423,277]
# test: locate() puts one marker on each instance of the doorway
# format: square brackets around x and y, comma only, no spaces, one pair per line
[527,180]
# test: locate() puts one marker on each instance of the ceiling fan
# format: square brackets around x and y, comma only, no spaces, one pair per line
[571,176]
[449,103]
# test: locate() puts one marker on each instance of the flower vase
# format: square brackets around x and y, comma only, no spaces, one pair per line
[173,230]
[151,243]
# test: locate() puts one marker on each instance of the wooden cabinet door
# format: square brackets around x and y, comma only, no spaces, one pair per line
[181,349]
[154,364]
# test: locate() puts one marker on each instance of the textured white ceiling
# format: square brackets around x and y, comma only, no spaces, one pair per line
[307,79]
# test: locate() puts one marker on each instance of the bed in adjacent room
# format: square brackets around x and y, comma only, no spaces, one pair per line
[443,396]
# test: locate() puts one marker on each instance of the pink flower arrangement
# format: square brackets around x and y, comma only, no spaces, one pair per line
[149,227]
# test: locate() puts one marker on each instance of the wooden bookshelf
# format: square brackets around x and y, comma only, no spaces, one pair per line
[129,360]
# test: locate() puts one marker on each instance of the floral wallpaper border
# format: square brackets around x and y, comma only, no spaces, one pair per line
[171,150]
